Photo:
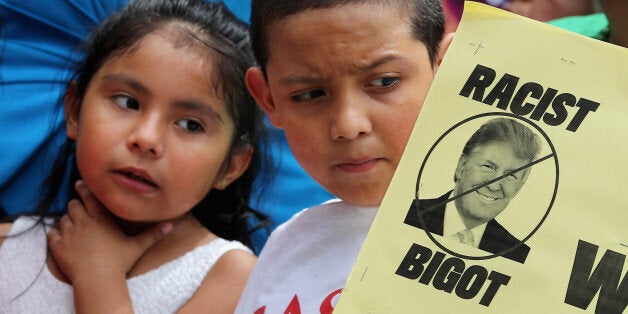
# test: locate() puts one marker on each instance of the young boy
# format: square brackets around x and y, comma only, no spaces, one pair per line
[345,79]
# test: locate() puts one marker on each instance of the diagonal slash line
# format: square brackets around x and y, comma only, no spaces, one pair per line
[481,185]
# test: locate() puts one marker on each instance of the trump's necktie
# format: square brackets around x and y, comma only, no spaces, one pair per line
[465,236]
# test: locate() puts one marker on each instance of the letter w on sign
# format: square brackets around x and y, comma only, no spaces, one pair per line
[585,281]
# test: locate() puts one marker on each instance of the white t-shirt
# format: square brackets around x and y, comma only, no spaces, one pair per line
[306,261]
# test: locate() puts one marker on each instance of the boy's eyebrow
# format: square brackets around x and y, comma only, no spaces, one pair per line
[378,62]
[305,80]
[299,80]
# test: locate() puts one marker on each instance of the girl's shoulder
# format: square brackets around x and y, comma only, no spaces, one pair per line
[5,227]
[224,283]
[4,231]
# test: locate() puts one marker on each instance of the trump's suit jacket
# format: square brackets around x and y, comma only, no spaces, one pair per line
[496,239]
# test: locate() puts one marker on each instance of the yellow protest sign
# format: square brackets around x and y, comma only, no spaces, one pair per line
[532,216]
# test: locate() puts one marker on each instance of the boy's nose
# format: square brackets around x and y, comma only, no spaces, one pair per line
[146,137]
[351,121]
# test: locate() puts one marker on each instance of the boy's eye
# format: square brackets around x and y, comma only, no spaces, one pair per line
[308,95]
[126,102]
[384,81]
[190,125]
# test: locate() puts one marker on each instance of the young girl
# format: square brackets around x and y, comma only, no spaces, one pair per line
[162,133]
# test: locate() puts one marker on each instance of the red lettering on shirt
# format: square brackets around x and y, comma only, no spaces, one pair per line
[294,307]
[326,307]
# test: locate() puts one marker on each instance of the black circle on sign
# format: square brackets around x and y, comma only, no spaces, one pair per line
[551,203]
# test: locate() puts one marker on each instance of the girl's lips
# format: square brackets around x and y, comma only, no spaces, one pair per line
[135,180]
[359,166]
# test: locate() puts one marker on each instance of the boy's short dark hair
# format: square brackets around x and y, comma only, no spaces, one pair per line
[426,18]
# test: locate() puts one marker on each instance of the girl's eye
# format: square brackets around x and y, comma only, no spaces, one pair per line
[385,81]
[126,102]
[309,95]
[190,125]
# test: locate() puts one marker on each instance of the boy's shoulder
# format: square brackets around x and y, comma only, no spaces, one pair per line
[317,246]
[323,220]
[332,212]
[315,211]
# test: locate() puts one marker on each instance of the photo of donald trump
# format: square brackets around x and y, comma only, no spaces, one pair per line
[492,169]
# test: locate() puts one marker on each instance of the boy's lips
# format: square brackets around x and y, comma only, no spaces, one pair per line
[135,179]
[359,165]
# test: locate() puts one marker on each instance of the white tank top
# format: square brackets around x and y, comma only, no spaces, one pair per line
[27,286]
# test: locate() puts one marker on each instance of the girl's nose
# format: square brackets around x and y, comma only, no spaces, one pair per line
[146,137]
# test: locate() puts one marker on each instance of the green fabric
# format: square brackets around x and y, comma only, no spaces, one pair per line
[594,25]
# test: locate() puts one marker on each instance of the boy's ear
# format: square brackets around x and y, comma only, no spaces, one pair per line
[258,87]
[71,111]
[442,48]
[235,167]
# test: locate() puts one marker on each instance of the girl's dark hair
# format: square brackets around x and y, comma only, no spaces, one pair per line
[211,26]
[426,18]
